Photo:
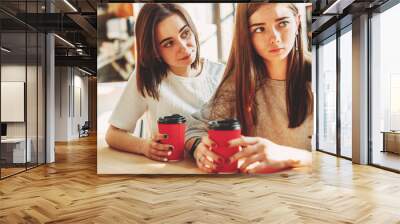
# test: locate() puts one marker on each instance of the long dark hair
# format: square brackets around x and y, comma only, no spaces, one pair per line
[248,70]
[150,67]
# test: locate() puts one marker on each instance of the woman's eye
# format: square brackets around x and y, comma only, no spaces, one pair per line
[168,44]
[258,30]
[283,24]
[185,34]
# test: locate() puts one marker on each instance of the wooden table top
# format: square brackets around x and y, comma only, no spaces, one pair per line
[111,161]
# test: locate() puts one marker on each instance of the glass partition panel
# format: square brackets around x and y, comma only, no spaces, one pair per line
[31,98]
[327,96]
[346,94]
[41,99]
[385,89]
[14,153]
[22,67]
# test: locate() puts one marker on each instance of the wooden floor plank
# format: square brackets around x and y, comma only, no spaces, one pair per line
[70,191]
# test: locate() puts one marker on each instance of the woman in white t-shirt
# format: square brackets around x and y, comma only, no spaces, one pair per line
[170,78]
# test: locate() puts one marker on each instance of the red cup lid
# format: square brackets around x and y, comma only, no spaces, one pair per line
[173,119]
[227,124]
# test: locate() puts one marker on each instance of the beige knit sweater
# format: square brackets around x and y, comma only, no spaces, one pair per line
[271,115]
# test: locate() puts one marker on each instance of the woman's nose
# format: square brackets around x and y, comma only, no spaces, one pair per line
[184,45]
[275,36]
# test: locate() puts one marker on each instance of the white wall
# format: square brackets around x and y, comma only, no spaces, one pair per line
[80,101]
[69,82]
[16,73]
[10,73]
[61,103]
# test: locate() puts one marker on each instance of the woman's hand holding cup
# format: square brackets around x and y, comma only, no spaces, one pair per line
[156,150]
[205,158]
[261,155]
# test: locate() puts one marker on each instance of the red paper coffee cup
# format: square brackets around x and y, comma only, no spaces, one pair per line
[174,126]
[221,132]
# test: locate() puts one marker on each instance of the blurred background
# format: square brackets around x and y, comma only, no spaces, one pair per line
[116,39]
[116,44]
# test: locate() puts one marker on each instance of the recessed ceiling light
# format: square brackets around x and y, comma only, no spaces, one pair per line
[5,49]
[70,5]
[337,7]
[84,71]
[64,40]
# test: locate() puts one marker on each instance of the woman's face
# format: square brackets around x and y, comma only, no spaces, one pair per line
[176,42]
[273,30]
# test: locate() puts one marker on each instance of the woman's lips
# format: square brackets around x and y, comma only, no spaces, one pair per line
[186,57]
[276,50]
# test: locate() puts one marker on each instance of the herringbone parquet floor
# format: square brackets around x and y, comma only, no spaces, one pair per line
[70,191]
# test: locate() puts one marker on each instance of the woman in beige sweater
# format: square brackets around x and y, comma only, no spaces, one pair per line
[266,86]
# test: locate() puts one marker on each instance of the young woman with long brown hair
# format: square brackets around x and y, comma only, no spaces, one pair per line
[266,86]
[170,78]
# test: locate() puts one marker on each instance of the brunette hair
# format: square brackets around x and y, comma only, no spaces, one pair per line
[248,71]
[150,67]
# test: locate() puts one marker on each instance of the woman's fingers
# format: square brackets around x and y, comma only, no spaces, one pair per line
[273,166]
[246,152]
[158,151]
[259,157]
[212,156]
[293,163]
[201,161]
[243,141]
[264,168]
[158,158]
[205,158]
[163,147]
[207,144]
[204,168]
[208,163]
[281,164]
[207,141]
[161,153]
[158,137]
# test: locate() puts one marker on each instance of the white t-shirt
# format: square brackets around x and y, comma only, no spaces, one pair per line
[178,95]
